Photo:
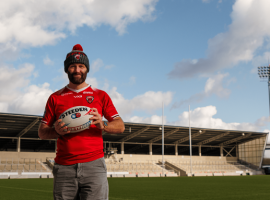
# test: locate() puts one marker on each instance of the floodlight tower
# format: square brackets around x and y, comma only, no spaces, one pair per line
[264,73]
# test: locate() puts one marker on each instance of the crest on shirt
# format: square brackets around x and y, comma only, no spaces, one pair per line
[77,56]
[89,99]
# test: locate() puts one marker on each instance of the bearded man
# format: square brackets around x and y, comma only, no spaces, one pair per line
[80,170]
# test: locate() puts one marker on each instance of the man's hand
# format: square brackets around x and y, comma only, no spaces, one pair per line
[114,126]
[46,132]
[97,119]
[60,128]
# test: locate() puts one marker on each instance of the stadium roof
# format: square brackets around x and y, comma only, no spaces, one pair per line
[13,126]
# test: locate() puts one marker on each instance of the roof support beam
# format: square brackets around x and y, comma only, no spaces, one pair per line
[235,139]
[26,129]
[153,140]
[134,134]
[187,138]
[213,138]
[229,153]
[165,135]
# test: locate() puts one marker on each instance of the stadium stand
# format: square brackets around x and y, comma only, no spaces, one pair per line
[23,168]
[139,168]
[137,151]
[212,168]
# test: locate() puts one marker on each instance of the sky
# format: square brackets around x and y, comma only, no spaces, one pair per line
[202,53]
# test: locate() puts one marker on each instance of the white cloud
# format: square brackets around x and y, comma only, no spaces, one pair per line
[249,30]
[213,85]
[96,65]
[154,119]
[3,107]
[47,61]
[16,94]
[33,101]
[148,102]
[204,117]
[37,23]
[261,60]
[12,80]
[92,81]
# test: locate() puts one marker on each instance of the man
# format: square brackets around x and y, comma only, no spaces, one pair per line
[79,171]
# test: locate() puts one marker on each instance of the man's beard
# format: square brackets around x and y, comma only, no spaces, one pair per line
[77,80]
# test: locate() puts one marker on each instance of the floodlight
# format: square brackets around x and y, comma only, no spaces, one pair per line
[264,73]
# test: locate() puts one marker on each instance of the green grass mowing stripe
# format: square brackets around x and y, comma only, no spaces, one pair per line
[195,188]
[26,189]
[16,188]
[201,188]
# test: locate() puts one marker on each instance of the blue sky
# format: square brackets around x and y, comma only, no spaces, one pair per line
[201,53]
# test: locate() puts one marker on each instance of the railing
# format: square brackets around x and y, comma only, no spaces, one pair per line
[134,166]
[210,166]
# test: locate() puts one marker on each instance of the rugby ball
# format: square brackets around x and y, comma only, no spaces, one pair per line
[77,118]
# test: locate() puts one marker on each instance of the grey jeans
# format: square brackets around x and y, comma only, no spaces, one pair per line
[82,181]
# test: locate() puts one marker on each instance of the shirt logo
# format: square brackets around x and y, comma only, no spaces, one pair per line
[87,92]
[75,112]
[89,99]
[75,115]
[77,56]
[78,96]
[64,94]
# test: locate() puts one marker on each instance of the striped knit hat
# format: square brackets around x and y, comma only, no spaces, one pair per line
[76,56]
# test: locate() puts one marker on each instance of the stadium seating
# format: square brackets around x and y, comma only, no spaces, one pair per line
[23,168]
[210,168]
[136,168]
[127,166]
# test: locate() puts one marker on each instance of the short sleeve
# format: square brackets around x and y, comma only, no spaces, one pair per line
[109,111]
[49,113]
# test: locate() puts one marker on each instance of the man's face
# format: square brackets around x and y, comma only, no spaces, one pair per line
[77,73]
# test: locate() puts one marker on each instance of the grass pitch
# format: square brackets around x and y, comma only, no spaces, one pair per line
[197,188]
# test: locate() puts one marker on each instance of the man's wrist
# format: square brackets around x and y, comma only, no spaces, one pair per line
[57,133]
[105,125]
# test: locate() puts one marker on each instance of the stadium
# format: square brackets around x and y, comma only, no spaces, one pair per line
[138,151]
[27,161]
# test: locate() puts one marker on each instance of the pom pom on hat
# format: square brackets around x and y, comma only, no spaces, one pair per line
[76,56]
[77,47]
